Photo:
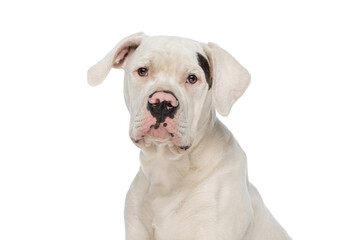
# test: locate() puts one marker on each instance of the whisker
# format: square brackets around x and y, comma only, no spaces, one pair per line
[180,132]
[137,127]
[137,121]
[180,126]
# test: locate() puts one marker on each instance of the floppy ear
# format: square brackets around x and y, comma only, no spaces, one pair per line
[115,58]
[230,79]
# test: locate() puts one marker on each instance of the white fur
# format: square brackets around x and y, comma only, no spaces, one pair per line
[203,192]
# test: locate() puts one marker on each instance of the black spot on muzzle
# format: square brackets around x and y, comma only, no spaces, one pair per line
[162,110]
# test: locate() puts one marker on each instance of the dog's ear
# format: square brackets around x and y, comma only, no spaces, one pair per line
[229,78]
[115,58]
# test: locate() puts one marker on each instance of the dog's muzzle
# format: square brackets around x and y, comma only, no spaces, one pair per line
[162,104]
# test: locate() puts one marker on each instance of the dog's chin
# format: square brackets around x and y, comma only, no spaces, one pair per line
[160,133]
[160,137]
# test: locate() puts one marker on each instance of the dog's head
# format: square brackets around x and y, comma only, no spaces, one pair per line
[172,85]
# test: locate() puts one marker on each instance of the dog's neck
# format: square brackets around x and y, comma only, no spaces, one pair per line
[167,171]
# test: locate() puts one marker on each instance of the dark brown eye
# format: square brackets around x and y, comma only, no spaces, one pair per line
[142,72]
[192,79]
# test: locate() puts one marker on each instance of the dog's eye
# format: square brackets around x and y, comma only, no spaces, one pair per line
[142,72]
[192,79]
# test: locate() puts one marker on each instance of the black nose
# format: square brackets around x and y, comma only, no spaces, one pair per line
[162,104]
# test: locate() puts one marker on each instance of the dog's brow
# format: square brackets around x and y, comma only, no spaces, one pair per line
[204,64]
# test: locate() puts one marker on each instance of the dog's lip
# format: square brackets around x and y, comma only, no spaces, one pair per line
[173,148]
[153,131]
[140,142]
[159,131]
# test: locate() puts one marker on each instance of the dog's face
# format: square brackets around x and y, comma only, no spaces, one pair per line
[167,82]
[170,86]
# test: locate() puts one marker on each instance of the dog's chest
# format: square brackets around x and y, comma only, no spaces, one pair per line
[178,196]
[167,215]
[162,212]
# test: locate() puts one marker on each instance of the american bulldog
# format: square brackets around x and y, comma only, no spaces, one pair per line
[192,182]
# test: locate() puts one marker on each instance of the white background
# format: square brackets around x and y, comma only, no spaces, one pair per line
[66,160]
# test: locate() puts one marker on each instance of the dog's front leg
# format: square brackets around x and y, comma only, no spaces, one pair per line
[136,226]
[135,229]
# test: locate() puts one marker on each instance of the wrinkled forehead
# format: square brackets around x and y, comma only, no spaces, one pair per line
[164,50]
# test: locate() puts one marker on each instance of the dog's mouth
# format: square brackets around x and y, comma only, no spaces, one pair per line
[151,131]
[160,131]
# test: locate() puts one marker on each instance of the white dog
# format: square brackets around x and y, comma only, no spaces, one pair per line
[193,183]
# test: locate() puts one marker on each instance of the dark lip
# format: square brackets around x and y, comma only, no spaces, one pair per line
[185,147]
